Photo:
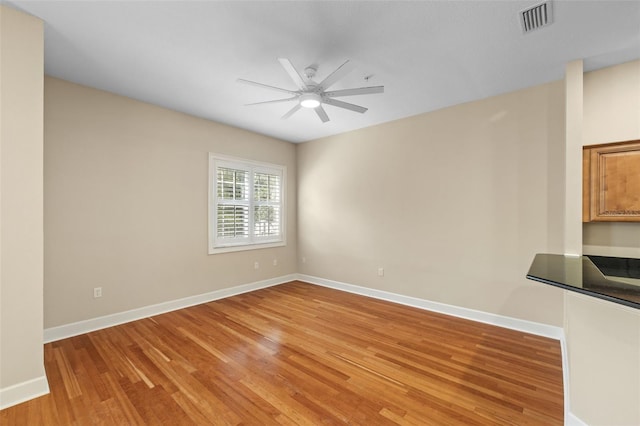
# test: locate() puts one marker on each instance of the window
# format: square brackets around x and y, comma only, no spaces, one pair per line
[246,204]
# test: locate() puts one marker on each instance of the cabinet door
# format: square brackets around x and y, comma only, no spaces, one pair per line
[614,181]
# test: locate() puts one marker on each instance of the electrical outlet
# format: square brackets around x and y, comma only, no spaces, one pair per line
[275,262]
[97,292]
[381,272]
[256,265]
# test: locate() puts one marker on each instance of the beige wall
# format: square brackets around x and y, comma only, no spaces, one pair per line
[612,104]
[603,338]
[453,204]
[603,341]
[126,204]
[612,114]
[573,158]
[21,241]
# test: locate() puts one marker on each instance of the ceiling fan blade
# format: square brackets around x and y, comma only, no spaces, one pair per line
[291,111]
[322,114]
[359,91]
[266,86]
[293,73]
[273,102]
[345,105]
[342,70]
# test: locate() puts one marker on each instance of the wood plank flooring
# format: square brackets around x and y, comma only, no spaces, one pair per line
[299,354]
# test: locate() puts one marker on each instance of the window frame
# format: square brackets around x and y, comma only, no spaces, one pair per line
[251,243]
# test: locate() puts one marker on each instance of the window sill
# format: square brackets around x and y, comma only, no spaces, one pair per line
[244,247]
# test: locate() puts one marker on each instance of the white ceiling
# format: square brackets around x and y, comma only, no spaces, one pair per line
[187,55]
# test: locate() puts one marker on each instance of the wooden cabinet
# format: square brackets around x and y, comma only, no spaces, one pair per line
[611,182]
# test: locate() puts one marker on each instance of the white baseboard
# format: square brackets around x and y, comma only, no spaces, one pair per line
[22,392]
[456,311]
[568,416]
[572,420]
[74,329]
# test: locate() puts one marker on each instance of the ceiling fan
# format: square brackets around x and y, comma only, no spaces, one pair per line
[313,95]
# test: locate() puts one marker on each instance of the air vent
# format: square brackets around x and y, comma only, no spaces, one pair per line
[536,17]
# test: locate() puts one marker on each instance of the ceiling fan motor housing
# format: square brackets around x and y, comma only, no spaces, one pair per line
[310,71]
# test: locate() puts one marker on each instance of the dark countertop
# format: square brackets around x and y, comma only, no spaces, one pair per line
[581,274]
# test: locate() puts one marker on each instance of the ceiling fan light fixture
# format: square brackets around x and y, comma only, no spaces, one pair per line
[310,100]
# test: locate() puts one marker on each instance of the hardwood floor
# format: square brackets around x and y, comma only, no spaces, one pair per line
[299,354]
